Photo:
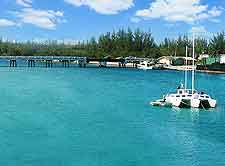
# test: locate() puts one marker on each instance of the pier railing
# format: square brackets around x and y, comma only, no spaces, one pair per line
[42,58]
[66,60]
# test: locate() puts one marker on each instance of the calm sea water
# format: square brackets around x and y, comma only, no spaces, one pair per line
[102,117]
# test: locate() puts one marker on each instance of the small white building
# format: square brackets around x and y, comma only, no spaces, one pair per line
[222,59]
[167,60]
[203,56]
[176,61]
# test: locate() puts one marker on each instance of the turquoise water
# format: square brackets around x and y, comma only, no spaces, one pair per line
[102,117]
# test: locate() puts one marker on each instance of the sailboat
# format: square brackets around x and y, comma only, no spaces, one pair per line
[187,98]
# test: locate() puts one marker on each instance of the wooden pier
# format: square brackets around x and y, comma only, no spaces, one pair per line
[47,60]
[66,61]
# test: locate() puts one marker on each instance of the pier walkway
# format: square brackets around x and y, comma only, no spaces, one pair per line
[67,60]
[48,60]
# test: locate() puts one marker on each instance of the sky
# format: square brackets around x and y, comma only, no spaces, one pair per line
[76,20]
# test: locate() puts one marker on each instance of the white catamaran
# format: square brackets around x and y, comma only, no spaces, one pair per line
[187,98]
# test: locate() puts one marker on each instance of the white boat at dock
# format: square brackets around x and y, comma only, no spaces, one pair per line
[145,65]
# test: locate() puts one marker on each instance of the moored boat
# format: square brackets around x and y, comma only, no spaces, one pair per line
[185,98]
[189,98]
[145,65]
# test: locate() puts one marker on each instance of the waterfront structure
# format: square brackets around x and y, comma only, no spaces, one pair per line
[175,61]
[212,63]
[203,56]
[182,61]
[166,60]
[222,59]
[49,61]
[209,60]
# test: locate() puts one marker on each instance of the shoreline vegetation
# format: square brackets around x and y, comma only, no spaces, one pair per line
[118,44]
[121,43]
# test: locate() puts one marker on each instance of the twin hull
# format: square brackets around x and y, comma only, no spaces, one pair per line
[191,102]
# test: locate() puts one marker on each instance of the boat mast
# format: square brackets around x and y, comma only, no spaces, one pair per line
[186,68]
[193,65]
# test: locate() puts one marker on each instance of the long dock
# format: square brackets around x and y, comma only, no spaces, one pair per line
[48,60]
[66,61]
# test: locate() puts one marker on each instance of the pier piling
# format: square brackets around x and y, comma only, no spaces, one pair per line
[13,63]
[48,63]
[66,63]
[31,63]
[82,63]
[67,60]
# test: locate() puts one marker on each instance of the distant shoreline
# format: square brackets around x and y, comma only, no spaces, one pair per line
[131,65]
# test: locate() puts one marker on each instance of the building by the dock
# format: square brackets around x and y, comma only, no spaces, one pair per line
[222,59]
[206,59]
[175,61]
[212,63]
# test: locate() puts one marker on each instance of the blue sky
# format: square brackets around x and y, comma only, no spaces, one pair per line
[73,20]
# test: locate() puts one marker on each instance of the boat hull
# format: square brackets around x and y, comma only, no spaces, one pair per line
[207,104]
[193,103]
[145,68]
[159,103]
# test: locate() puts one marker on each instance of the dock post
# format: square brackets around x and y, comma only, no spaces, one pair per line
[31,63]
[84,62]
[67,63]
[123,64]
[80,63]
[48,63]
[13,63]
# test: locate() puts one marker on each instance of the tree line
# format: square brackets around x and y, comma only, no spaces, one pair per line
[121,43]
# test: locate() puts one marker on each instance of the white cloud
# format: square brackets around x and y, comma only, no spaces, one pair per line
[188,11]
[104,6]
[215,11]
[135,19]
[6,23]
[198,29]
[24,3]
[215,20]
[46,19]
